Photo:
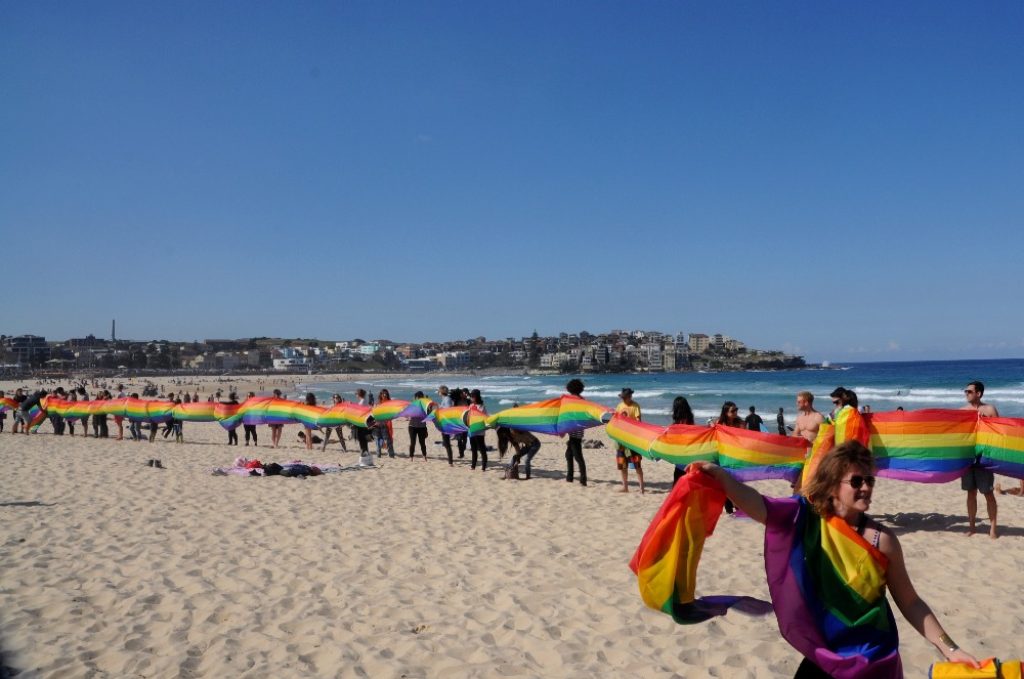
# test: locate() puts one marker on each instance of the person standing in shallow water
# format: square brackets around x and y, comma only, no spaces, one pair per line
[976,478]
[574,444]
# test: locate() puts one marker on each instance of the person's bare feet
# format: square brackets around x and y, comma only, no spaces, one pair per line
[993,533]
[970,531]
[623,490]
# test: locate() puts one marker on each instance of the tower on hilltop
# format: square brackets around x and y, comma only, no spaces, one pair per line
[113,330]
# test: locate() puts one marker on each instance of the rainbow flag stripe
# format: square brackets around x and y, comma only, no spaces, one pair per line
[926,446]
[557,416]
[418,408]
[307,415]
[267,410]
[850,426]
[451,421]
[665,562]
[159,411]
[8,403]
[752,455]
[132,408]
[229,415]
[685,443]
[389,410]
[346,413]
[197,411]
[1001,445]
[823,442]
[633,434]
[476,421]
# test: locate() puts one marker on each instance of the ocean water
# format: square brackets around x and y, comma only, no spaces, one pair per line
[883,386]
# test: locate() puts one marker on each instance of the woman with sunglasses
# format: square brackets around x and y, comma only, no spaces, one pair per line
[829,564]
[730,417]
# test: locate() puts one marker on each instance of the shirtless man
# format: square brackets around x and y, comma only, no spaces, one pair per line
[976,478]
[808,420]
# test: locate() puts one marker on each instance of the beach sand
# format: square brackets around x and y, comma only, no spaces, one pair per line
[109,567]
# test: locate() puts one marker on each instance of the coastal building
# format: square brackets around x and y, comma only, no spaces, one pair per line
[699,342]
[27,349]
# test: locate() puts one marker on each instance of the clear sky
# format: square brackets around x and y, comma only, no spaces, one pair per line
[845,180]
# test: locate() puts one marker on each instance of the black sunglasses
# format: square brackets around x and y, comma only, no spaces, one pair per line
[856,481]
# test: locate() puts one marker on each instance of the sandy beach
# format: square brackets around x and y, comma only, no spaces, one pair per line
[112,568]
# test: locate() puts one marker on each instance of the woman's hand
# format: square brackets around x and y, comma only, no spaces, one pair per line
[961,656]
[709,468]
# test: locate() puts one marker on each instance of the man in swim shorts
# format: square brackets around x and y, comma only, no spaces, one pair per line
[808,420]
[976,478]
[624,457]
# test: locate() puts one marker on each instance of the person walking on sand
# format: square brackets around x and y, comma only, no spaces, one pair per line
[336,399]
[808,420]
[976,478]
[574,443]
[623,457]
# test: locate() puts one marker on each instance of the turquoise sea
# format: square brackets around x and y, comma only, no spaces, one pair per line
[883,386]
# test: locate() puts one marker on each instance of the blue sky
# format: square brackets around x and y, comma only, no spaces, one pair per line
[839,179]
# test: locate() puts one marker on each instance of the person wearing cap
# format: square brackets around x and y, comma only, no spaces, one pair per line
[623,458]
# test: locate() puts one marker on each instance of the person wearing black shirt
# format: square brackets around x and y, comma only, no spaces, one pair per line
[753,420]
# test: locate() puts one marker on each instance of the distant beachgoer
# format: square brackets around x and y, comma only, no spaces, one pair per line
[119,419]
[477,443]
[753,420]
[865,409]
[446,439]
[336,399]
[362,433]
[276,429]
[899,409]
[681,414]
[310,440]
[233,432]
[977,478]
[250,429]
[624,457]
[808,420]
[780,423]
[382,431]
[574,443]
[417,432]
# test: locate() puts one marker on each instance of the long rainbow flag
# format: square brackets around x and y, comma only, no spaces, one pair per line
[1001,445]
[229,415]
[196,411]
[307,415]
[633,434]
[557,416]
[7,403]
[346,412]
[926,446]
[451,421]
[418,408]
[388,410]
[754,455]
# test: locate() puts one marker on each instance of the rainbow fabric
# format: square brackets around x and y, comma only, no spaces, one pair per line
[196,411]
[159,411]
[633,434]
[267,410]
[990,669]
[828,589]
[346,413]
[926,446]
[229,415]
[665,562]
[682,444]
[850,426]
[389,410]
[753,455]
[451,421]
[476,421]
[823,442]
[748,455]
[8,403]
[557,416]
[134,409]
[418,409]
[1001,445]
[307,415]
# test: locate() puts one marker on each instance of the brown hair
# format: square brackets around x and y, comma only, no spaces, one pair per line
[808,396]
[831,470]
